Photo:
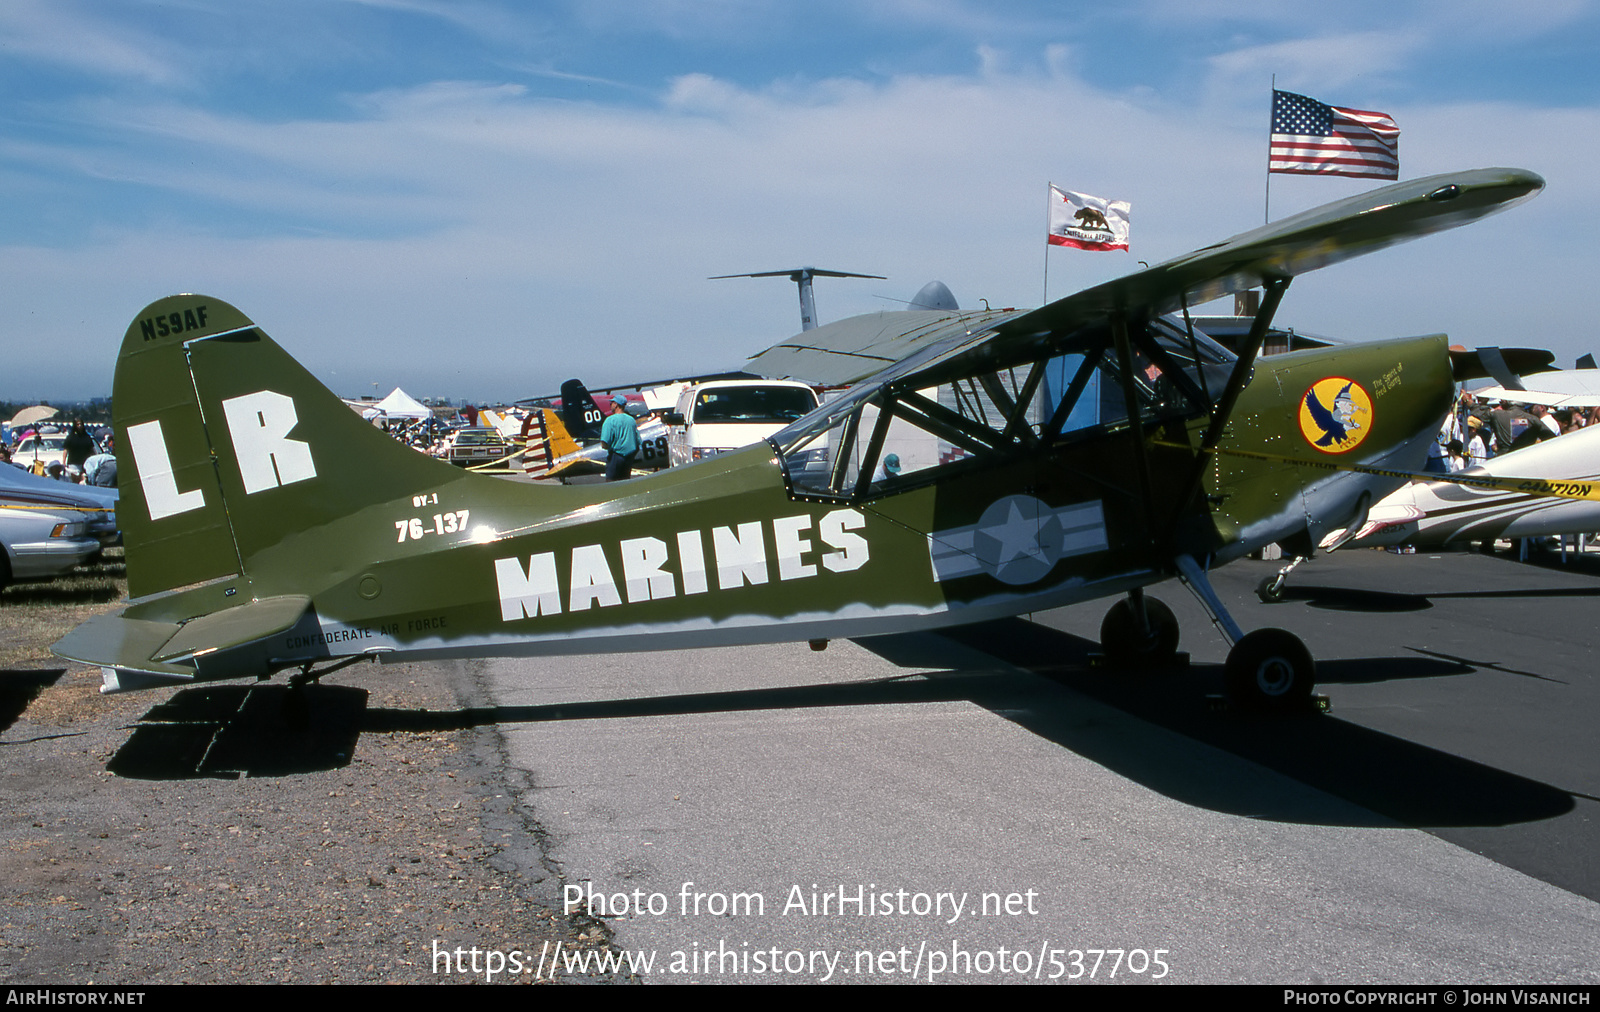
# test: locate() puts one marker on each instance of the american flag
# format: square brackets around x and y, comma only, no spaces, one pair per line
[1316,139]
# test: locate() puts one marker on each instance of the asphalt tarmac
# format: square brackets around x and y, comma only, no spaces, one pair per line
[981,805]
[988,805]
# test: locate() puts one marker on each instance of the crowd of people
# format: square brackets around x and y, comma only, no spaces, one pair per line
[85,460]
[1477,431]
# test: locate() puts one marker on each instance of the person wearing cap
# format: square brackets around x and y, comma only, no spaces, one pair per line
[1477,450]
[620,436]
[888,468]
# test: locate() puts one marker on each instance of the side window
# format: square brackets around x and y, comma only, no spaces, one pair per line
[881,439]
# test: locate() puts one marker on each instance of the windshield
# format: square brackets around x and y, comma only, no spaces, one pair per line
[774,405]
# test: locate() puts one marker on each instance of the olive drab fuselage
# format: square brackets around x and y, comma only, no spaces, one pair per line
[1001,462]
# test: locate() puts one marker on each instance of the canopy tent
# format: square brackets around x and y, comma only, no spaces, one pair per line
[398,404]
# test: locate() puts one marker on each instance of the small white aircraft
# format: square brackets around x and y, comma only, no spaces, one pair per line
[1438,514]
[1569,388]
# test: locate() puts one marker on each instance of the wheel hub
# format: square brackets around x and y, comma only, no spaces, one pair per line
[1274,676]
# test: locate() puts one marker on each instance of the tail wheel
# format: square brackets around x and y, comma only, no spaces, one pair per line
[1270,589]
[1270,669]
[1124,642]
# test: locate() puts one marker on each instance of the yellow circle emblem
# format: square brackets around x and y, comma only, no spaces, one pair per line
[1335,414]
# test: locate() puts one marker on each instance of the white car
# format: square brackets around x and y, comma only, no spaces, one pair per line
[38,451]
[39,544]
[723,415]
[44,447]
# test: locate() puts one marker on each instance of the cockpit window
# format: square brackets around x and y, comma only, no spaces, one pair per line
[878,439]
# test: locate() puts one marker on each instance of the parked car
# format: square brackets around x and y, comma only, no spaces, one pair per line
[40,543]
[20,488]
[476,446]
[42,448]
[723,415]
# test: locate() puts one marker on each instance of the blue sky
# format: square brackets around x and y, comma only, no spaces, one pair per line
[480,199]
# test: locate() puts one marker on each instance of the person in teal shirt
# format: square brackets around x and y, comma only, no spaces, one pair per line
[620,436]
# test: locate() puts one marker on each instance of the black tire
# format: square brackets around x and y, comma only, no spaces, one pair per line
[1270,670]
[5,568]
[1121,640]
[1270,590]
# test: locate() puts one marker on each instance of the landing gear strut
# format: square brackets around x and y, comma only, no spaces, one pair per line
[1268,670]
[1270,589]
[1301,547]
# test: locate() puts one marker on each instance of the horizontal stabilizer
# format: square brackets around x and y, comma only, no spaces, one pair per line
[161,648]
[1507,365]
[116,642]
[235,627]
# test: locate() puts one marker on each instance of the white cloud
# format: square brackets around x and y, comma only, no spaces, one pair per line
[470,238]
[61,35]
[1328,61]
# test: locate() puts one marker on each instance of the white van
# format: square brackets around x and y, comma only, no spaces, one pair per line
[723,415]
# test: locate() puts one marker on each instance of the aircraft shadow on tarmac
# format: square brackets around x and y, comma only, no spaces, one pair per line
[1364,600]
[263,730]
[1401,780]
[18,688]
[232,731]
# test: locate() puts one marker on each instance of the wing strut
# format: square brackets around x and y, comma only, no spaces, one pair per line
[1119,332]
[1230,394]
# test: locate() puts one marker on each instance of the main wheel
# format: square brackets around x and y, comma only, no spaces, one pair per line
[1270,669]
[1123,642]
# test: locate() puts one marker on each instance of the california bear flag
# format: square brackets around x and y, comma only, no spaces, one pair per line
[1077,219]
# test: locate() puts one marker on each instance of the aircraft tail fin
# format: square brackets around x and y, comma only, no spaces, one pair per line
[549,444]
[536,456]
[235,450]
[579,412]
[560,438]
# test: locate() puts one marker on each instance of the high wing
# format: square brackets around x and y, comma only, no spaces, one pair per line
[849,351]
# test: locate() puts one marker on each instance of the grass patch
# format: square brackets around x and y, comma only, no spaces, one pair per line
[34,615]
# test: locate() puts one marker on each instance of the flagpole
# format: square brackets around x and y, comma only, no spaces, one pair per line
[1047,195]
[1266,214]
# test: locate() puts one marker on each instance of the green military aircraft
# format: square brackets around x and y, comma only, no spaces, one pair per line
[981,464]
